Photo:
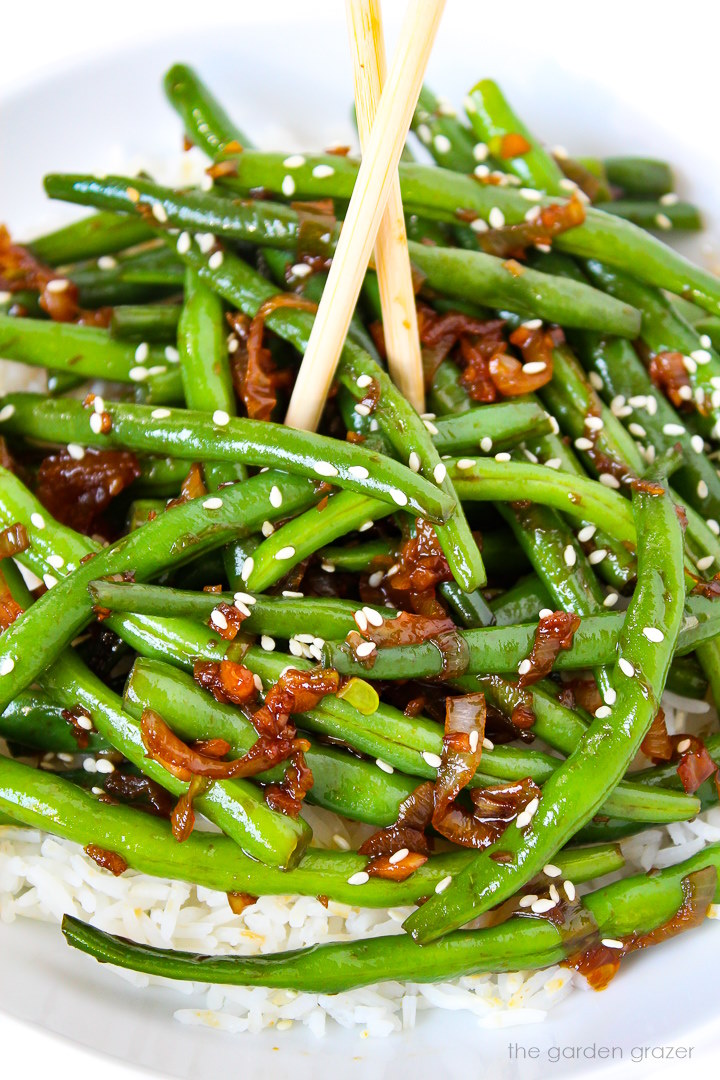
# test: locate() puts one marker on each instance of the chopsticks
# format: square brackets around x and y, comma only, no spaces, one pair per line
[392,260]
[367,206]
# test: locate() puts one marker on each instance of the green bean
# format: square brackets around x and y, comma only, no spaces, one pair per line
[146,322]
[506,423]
[431,193]
[93,236]
[439,130]
[493,119]
[572,796]
[187,530]
[660,216]
[709,326]
[278,616]
[238,284]
[33,720]
[236,806]
[500,649]
[87,351]
[48,802]
[664,330]
[521,603]
[640,177]
[191,435]
[206,122]
[635,905]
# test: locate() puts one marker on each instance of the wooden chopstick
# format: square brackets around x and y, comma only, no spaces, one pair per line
[367,205]
[392,260]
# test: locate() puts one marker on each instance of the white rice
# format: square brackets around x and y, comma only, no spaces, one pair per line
[43,878]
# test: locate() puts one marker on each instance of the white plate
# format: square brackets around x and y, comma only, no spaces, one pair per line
[289,85]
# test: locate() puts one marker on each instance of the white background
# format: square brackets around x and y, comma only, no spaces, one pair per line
[47,34]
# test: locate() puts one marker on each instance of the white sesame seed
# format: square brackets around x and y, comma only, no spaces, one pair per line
[385,768]
[216,260]
[443,884]
[57,285]
[488,745]
[361,878]
[340,842]
[683,746]
[358,472]
[481,171]
[327,566]
[325,468]
[534,367]
[533,213]
[713,526]
[610,696]
[289,594]
[218,619]
[480,151]
[6,665]
[586,533]
[496,218]
[706,341]
[611,599]
[76,452]
[247,569]
[172,355]
[597,556]
[213,503]
[528,900]
[523,819]
[701,356]
[301,270]
[554,894]
[663,221]
[295,647]
[399,497]
[596,381]
[673,429]
[486,444]
[532,806]
[375,579]
[205,241]
[439,472]
[159,212]
[651,406]
[653,634]
[50,581]
[570,555]
[6,412]
[366,525]
[433,760]
[160,414]
[474,739]
[637,430]
[603,711]
[545,613]
[285,553]
[502,456]
[608,480]
[56,561]
[138,373]
[706,562]
[361,620]
[551,870]
[530,194]
[612,943]
[430,427]
[689,365]
[361,409]
[373,617]
[583,443]
[267,643]
[553,463]
[423,133]
[569,890]
[702,489]
[288,186]
[90,765]
[37,520]
[442,144]
[221,418]
[540,907]
[366,648]
[106,262]
[594,423]
[399,855]
[524,667]
[96,423]
[478,225]
[626,667]
[295,161]
[465,463]
[183,243]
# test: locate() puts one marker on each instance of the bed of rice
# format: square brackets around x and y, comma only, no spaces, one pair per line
[43,878]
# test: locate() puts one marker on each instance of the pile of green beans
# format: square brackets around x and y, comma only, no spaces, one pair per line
[246,548]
